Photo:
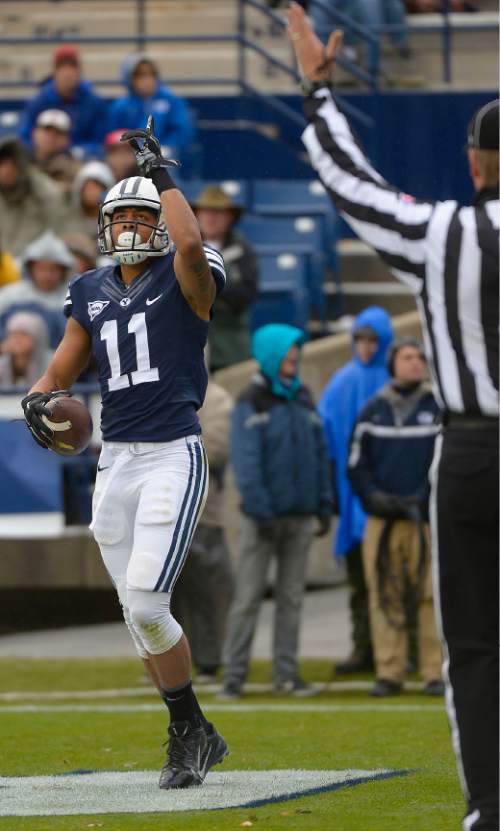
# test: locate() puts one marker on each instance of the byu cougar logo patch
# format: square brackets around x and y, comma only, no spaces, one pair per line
[95,307]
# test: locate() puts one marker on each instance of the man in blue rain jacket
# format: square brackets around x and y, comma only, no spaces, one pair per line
[343,398]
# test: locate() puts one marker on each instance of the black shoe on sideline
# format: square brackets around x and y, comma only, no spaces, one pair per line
[435,687]
[191,752]
[355,663]
[383,687]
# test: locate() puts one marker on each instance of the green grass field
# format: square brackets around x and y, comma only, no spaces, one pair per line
[356,732]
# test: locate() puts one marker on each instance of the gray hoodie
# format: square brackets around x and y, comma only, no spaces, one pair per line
[35,326]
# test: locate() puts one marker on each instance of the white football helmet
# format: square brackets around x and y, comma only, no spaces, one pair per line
[136,192]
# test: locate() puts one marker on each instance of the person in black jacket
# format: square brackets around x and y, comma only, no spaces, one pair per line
[280,461]
[229,338]
[390,455]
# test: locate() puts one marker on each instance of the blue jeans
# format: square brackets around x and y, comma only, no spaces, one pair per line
[369,13]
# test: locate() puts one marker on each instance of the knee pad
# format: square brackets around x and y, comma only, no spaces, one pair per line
[122,597]
[151,618]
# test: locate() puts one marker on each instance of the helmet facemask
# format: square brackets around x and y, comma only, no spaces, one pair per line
[129,249]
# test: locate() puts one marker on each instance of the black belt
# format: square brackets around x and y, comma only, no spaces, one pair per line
[469,421]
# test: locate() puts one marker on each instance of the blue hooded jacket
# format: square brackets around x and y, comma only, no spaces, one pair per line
[172,121]
[278,448]
[86,110]
[343,398]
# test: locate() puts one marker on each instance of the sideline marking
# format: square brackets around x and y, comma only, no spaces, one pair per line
[150,692]
[225,708]
[135,792]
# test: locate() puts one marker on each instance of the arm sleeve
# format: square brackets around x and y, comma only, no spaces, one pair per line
[358,466]
[393,223]
[217,267]
[246,458]
[74,307]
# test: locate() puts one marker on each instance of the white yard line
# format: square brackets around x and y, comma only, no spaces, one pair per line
[148,691]
[224,708]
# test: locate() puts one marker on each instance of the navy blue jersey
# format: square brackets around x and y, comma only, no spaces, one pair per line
[148,344]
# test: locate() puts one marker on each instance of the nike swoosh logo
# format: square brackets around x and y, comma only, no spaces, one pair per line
[102,468]
[202,768]
[150,302]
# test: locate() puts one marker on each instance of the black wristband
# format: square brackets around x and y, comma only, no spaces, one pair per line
[162,179]
[309,87]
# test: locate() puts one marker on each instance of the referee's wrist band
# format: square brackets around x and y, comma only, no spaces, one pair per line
[162,179]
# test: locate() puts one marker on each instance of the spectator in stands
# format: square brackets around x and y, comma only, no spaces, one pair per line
[229,336]
[82,247]
[119,156]
[202,594]
[50,138]
[148,96]
[24,351]
[368,13]
[63,171]
[92,182]
[66,90]
[391,452]
[433,6]
[47,266]
[340,404]
[9,270]
[280,462]
[29,202]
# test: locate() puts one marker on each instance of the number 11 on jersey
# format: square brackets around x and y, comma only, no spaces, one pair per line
[144,372]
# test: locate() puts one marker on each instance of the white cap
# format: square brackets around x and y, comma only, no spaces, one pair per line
[57,119]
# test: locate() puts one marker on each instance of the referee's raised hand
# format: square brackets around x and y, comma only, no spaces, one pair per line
[314,59]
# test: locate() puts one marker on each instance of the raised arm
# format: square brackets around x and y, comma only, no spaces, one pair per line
[393,223]
[191,263]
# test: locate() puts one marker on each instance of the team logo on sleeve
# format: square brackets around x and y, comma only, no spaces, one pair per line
[95,307]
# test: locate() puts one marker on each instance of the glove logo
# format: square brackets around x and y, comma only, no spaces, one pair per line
[95,307]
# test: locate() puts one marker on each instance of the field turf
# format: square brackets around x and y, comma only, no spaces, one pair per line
[360,733]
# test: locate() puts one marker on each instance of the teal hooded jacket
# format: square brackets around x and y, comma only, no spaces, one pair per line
[278,449]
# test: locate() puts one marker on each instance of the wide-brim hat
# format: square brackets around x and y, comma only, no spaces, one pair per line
[214,198]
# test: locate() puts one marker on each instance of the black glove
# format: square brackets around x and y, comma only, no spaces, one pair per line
[387,505]
[149,158]
[34,406]
[265,529]
[324,523]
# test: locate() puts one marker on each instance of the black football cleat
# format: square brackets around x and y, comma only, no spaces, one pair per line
[191,752]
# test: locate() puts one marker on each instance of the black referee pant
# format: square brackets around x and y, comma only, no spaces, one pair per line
[465,519]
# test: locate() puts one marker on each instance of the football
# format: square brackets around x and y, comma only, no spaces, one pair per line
[72,425]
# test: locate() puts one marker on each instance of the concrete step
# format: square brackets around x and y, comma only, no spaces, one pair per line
[366,280]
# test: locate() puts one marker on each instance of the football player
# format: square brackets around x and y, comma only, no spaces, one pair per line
[145,321]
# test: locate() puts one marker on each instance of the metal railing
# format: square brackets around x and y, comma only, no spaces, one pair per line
[139,39]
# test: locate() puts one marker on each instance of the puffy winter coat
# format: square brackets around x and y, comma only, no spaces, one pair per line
[278,450]
[172,120]
[86,109]
[393,444]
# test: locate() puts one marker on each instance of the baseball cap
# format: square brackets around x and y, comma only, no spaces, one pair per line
[57,119]
[484,128]
[113,138]
[66,54]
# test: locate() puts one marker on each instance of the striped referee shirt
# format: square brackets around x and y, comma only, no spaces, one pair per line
[446,253]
